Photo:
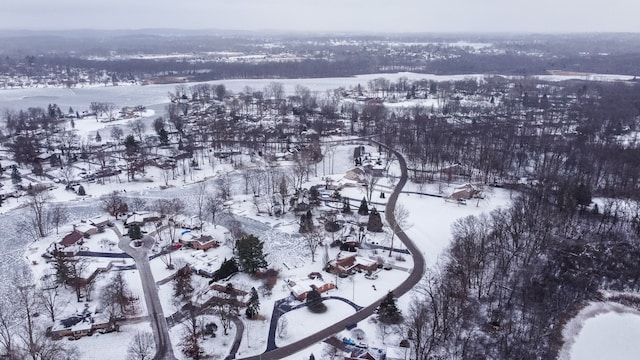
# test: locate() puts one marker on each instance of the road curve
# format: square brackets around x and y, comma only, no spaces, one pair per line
[403,288]
[164,350]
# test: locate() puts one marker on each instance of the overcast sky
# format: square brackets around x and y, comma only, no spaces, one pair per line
[327,15]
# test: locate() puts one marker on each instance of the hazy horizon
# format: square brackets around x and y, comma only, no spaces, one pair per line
[326,16]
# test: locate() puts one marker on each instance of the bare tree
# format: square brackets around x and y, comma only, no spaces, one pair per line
[49,295]
[109,108]
[201,197]
[141,347]
[401,215]
[117,133]
[116,298]
[58,215]
[67,173]
[313,240]
[8,323]
[370,181]
[114,204]
[136,204]
[214,206]
[38,199]
[190,342]
[137,128]
[225,187]
[77,280]
[27,309]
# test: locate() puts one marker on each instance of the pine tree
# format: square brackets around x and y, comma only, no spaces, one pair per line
[16,178]
[346,208]
[306,222]
[364,208]
[375,221]
[98,137]
[388,311]
[61,267]
[250,255]
[253,307]
[81,191]
[314,301]
[135,233]
[164,136]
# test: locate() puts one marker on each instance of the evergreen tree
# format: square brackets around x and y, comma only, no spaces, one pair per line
[254,304]
[314,301]
[375,221]
[346,207]
[130,145]
[313,195]
[306,223]
[81,191]
[228,267]
[61,267]
[16,178]
[37,169]
[388,311]
[364,208]
[164,137]
[135,233]
[98,137]
[250,255]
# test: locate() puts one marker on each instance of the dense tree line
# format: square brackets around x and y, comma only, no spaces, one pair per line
[514,276]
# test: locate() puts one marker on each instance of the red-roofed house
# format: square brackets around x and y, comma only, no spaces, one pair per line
[70,243]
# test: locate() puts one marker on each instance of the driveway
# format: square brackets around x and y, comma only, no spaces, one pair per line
[164,350]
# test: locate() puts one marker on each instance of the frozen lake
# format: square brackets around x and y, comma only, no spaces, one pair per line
[155,96]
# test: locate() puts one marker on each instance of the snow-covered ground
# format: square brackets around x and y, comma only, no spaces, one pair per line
[602,331]
[429,222]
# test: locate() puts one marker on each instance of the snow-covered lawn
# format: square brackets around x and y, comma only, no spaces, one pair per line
[93,347]
[430,218]
[300,323]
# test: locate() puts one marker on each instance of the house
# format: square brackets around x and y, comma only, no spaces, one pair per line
[70,243]
[80,324]
[355,174]
[142,218]
[346,264]
[198,242]
[85,229]
[100,222]
[191,223]
[227,295]
[397,353]
[300,288]
[464,192]
[364,353]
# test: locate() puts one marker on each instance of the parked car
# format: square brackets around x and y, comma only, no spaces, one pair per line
[371,276]
[348,341]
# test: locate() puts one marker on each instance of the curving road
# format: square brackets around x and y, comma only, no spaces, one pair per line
[164,350]
[403,288]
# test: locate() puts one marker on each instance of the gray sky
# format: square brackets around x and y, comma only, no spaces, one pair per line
[327,15]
